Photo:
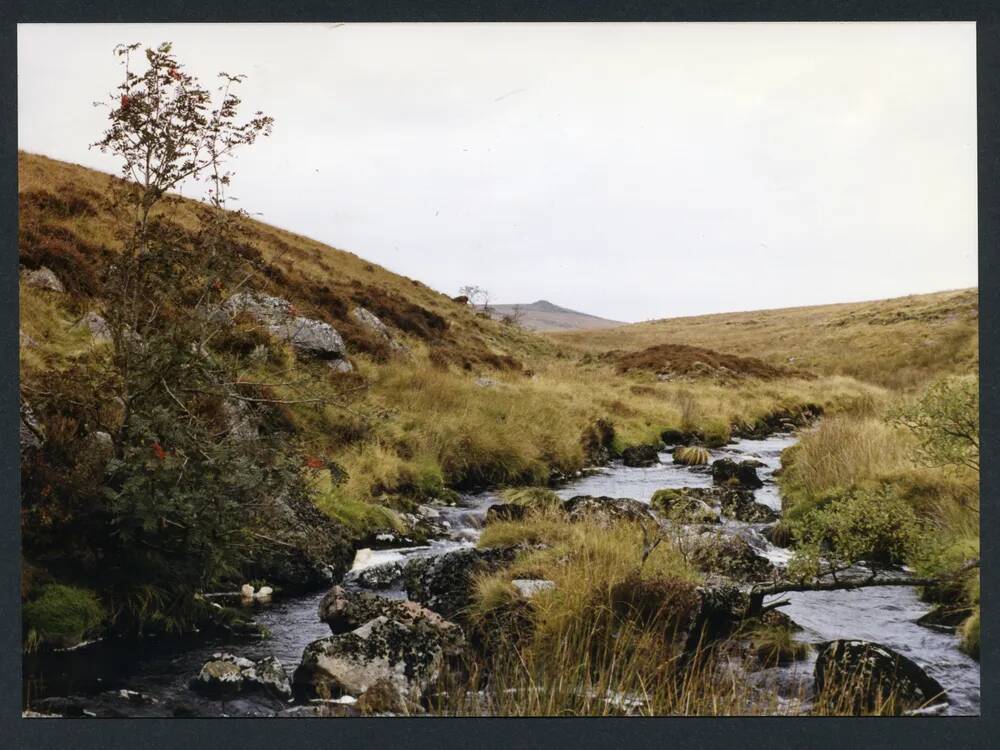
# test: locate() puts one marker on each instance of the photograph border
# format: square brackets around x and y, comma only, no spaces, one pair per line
[510,733]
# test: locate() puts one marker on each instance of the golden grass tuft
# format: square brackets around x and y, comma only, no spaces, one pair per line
[691,455]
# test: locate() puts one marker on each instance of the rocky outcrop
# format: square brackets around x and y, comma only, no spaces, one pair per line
[227,675]
[607,510]
[43,278]
[873,676]
[404,655]
[369,320]
[444,583]
[742,474]
[309,335]
[641,455]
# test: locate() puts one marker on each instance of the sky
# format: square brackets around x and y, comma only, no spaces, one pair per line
[631,171]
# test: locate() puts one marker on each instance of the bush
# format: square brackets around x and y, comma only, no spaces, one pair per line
[62,616]
[945,421]
[870,524]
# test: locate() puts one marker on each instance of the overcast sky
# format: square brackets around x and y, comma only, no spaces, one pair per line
[632,171]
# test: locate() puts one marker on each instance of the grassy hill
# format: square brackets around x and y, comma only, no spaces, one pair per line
[897,343]
[544,316]
[474,400]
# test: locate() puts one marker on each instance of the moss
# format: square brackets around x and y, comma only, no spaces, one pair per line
[360,518]
[62,616]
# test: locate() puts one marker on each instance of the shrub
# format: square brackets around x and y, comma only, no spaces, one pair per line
[863,523]
[62,616]
[945,421]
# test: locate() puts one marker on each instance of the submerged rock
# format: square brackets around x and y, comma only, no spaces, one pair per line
[641,455]
[869,676]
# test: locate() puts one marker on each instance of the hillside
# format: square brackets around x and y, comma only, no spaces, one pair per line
[896,342]
[439,394]
[65,226]
[544,316]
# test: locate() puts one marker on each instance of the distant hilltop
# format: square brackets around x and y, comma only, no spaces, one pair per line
[545,316]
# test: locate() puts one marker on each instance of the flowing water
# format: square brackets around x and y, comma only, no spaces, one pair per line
[887,615]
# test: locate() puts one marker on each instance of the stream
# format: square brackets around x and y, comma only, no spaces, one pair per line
[161,670]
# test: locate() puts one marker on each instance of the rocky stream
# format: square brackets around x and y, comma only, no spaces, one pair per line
[153,678]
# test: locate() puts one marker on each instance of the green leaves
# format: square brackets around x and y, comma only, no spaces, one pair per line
[945,421]
[860,524]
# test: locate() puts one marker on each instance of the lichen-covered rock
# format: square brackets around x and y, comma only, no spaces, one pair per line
[384,698]
[310,335]
[641,455]
[407,654]
[372,322]
[743,474]
[444,583]
[43,278]
[387,575]
[307,334]
[226,675]
[873,676]
[684,505]
[344,610]
[729,556]
[607,510]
